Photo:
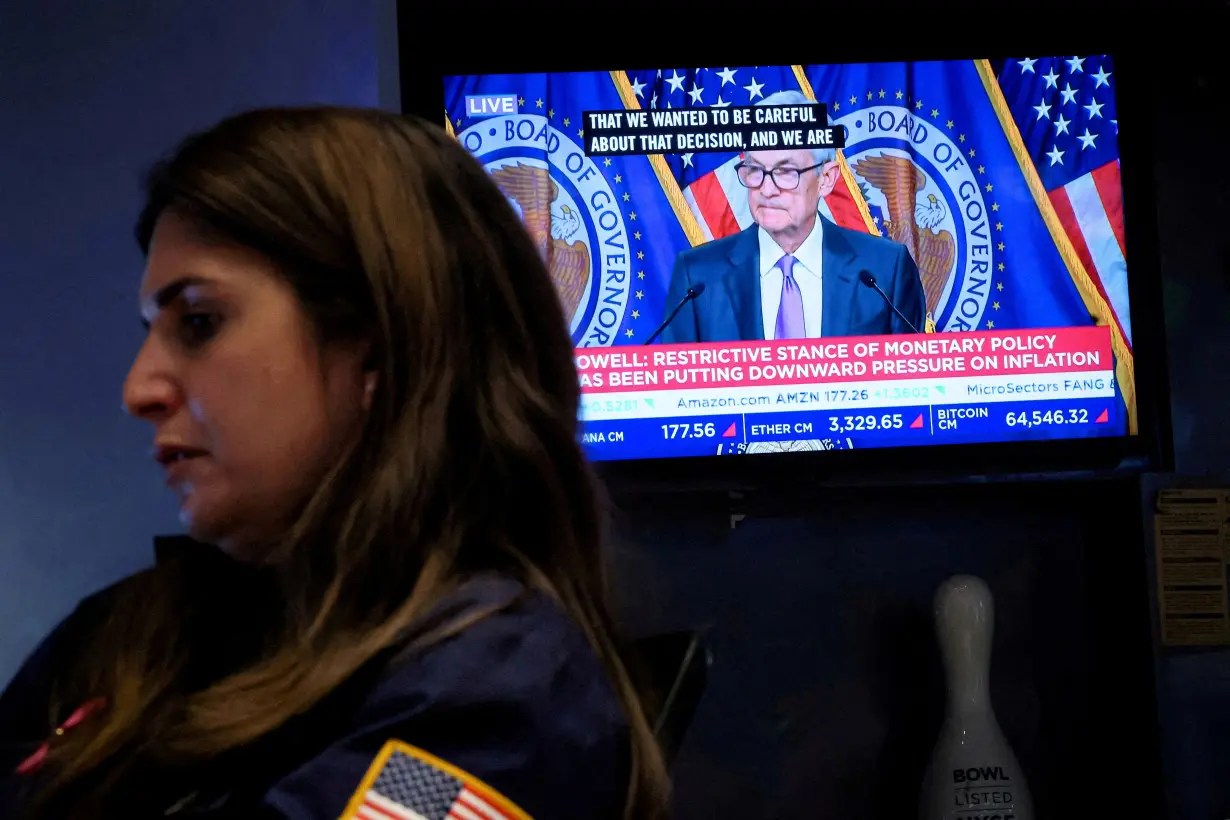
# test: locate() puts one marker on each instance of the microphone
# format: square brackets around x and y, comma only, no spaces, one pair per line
[867,279]
[693,292]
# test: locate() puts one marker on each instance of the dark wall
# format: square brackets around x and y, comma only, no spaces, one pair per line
[826,692]
[90,95]
[1193,198]
[1193,194]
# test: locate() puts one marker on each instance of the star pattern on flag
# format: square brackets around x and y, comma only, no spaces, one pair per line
[1073,125]
[1065,111]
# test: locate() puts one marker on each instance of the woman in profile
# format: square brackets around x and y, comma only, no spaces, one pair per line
[390,605]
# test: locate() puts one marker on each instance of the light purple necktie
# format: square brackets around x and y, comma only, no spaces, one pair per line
[790,311]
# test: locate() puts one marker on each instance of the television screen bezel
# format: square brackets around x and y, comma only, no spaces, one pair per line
[422,71]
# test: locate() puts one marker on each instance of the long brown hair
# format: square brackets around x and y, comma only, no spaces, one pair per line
[388,230]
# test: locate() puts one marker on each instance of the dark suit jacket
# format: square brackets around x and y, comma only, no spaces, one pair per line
[730,307]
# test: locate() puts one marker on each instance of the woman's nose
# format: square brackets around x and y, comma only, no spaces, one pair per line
[149,390]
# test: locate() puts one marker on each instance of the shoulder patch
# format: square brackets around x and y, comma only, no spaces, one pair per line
[407,783]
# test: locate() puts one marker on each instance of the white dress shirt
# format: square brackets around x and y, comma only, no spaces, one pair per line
[807,272]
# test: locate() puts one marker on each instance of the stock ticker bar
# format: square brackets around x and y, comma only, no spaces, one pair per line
[879,391]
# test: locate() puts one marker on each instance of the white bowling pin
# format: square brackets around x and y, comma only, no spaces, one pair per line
[973,774]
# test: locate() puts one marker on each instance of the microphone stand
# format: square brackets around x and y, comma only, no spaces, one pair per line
[692,293]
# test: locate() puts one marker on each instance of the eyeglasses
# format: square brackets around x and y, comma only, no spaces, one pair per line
[786,179]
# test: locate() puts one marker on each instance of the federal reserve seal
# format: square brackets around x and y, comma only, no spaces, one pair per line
[800,445]
[920,183]
[570,210]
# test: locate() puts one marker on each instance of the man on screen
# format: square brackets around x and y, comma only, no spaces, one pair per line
[792,273]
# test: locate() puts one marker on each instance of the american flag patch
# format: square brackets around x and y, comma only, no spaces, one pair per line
[406,783]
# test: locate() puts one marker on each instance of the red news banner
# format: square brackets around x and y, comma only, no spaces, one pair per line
[854,358]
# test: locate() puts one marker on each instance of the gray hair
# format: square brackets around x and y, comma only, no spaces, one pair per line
[792,97]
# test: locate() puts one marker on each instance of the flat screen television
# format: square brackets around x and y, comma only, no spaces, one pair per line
[850,267]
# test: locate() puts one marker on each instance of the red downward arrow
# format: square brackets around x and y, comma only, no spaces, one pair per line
[1102,419]
[730,431]
[917,423]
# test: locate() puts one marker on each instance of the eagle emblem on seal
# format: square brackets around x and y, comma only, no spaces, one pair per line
[913,221]
[559,234]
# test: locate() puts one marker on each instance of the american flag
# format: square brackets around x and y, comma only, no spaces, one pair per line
[1064,108]
[708,181]
[412,788]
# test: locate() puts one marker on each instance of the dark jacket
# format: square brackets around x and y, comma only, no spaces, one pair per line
[730,308]
[515,711]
